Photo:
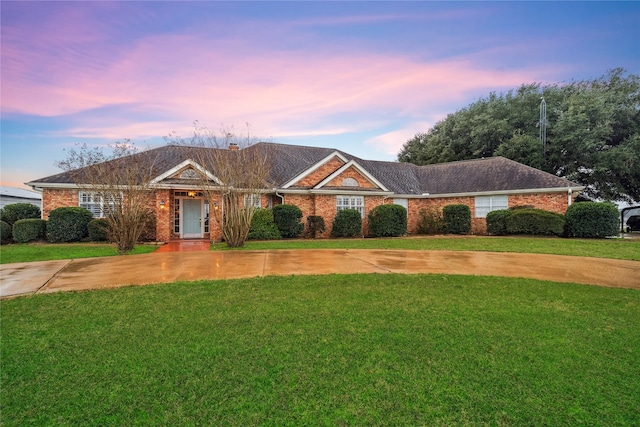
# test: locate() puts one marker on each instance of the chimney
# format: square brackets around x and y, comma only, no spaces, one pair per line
[233,146]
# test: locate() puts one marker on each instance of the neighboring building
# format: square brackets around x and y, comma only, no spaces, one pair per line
[11,195]
[322,181]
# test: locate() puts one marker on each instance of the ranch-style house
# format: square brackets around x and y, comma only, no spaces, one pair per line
[322,181]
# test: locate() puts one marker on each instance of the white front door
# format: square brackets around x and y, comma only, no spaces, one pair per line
[192,219]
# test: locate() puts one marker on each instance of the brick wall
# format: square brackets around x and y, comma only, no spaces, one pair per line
[321,173]
[56,198]
[351,173]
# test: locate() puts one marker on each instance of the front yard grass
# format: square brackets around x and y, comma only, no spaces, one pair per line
[324,350]
[603,248]
[28,252]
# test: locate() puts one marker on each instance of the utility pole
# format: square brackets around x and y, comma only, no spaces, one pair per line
[543,126]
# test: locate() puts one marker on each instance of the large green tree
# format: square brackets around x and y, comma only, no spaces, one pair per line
[593,133]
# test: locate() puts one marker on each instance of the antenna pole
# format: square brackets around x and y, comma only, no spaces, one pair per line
[543,126]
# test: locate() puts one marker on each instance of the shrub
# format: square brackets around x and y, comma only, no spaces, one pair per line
[28,230]
[534,222]
[592,219]
[262,226]
[5,232]
[457,219]
[98,230]
[430,221]
[287,218]
[17,211]
[149,231]
[497,222]
[388,221]
[315,225]
[68,224]
[347,223]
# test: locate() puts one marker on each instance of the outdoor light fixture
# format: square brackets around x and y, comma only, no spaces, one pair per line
[215,205]
[162,204]
[191,194]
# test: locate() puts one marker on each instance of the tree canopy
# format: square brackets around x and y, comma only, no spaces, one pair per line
[592,137]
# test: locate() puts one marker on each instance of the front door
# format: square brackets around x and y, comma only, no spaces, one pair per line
[192,219]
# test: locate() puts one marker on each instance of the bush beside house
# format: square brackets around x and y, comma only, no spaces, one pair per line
[592,219]
[387,221]
[534,222]
[315,225]
[17,211]
[68,224]
[5,232]
[98,230]
[28,230]
[430,221]
[457,219]
[263,227]
[287,219]
[347,223]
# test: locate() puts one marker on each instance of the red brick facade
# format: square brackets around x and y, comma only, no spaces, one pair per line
[166,204]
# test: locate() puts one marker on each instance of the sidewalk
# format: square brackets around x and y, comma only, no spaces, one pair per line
[110,272]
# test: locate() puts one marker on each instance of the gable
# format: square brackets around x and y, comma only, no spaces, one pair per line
[348,176]
[187,171]
[318,172]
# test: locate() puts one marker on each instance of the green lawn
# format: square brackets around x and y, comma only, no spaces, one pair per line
[324,350]
[28,252]
[603,248]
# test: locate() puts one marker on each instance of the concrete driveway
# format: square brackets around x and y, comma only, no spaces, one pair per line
[109,272]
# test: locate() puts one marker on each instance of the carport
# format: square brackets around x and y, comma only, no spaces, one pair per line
[623,214]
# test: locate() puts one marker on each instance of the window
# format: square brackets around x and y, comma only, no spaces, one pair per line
[351,202]
[350,182]
[94,203]
[252,200]
[486,204]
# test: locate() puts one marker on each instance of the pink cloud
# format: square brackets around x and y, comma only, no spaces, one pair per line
[189,76]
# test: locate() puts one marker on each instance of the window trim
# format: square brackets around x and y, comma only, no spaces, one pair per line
[352,203]
[96,203]
[495,203]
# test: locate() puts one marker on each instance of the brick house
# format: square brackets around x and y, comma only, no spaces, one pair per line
[322,181]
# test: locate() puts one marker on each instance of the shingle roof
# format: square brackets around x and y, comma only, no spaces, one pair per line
[289,161]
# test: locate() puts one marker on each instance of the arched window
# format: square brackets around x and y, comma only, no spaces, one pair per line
[350,182]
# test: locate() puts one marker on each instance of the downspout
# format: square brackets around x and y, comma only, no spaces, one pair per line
[279,195]
[569,193]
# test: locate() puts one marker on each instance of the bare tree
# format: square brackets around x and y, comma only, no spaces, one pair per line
[119,184]
[236,173]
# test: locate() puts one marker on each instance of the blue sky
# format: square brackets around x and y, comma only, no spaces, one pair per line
[359,76]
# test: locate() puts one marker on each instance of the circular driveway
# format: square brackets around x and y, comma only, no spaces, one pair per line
[109,272]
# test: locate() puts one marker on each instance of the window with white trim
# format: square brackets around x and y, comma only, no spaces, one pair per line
[351,202]
[486,204]
[93,202]
[252,200]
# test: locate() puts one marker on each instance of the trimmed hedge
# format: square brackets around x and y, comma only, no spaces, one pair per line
[388,221]
[592,219]
[457,219]
[347,223]
[287,219]
[315,225]
[5,232]
[17,211]
[535,222]
[68,224]
[497,222]
[28,230]
[262,226]
[98,230]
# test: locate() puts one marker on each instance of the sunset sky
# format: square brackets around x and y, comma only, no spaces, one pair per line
[358,76]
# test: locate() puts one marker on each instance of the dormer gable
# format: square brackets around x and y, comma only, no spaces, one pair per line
[187,170]
[351,174]
[318,172]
